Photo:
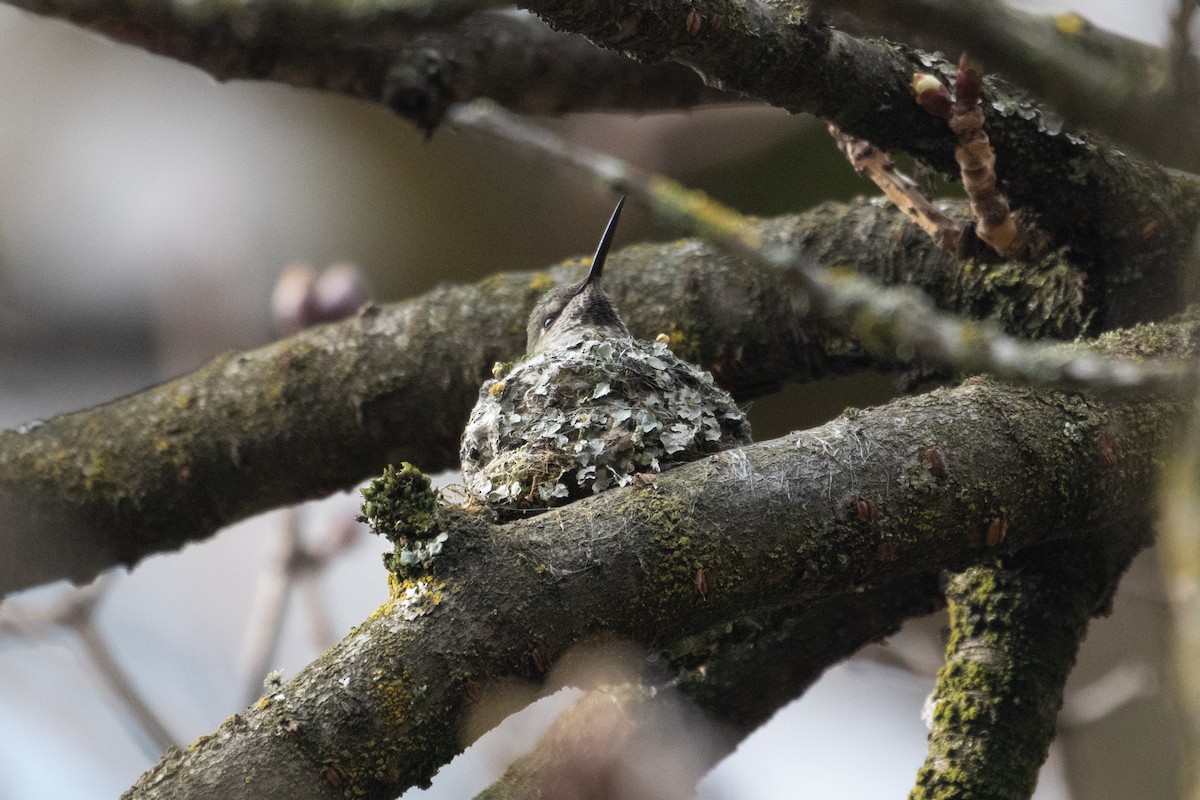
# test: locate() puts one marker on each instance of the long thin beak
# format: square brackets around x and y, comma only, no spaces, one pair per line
[602,250]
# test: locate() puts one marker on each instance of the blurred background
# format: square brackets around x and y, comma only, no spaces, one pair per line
[146,211]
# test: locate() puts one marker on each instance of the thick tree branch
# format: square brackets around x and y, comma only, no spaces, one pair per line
[415,58]
[1097,79]
[1082,192]
[1015,627]
[815,515]
[514,59]
[318,44]
[323,410]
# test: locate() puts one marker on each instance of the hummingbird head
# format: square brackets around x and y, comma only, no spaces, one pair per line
[568,309]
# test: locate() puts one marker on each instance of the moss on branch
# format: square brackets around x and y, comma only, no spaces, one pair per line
[1015,627]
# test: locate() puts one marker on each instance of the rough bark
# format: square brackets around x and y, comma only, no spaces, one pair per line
[816,515]
[1081,192]
[323,410]
[1015,627]
[514,59]
[414,58]
[1095,79]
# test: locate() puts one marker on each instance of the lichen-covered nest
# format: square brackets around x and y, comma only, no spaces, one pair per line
[589,414]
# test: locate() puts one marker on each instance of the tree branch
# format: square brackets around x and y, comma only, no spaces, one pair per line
[818,515]
[323,410]
[772,652]
[603,746]
[514,59]
[415,58]
[1180,557]
[1082,192]
[318,44]
[1015,627]
[887,321]
[1097,79]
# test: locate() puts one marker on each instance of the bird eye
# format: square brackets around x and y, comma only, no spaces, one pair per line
[548,321]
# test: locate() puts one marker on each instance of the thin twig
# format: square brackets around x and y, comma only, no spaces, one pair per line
[271,597]
[75,613]
[869,160]
[342,535]
[114,677]
[1184,72]
[886,320]
[295,566]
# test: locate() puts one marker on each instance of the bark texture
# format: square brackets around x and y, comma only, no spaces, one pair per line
[514,59]
[856,503]
[415,58]
[1080,191]
[1127,222]
[323,410]
[1096,79]
[1015,627]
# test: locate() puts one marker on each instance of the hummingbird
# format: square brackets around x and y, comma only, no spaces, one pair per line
[589,406]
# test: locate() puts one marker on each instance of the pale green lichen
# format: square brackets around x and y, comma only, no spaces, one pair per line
[401,505]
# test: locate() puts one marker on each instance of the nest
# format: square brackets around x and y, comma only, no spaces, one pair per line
[588,415]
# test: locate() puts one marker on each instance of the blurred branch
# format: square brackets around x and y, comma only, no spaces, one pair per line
[772,652]
[76,612]
[294,566]
[317,44]
[416,58]
[1112,691]
[323,410]
[513,58]
[1082,192]
[602,748]
[1183,84]
[383,709]
[1095,78]
[885,320]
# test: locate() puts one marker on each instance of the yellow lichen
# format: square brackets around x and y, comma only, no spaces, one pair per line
[396,698]
[541,282]
[1070,24]
[712,216]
